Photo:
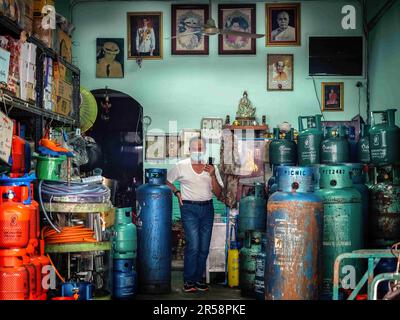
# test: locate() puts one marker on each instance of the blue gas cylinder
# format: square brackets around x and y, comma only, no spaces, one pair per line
[124,279]
[260,270]
[154,228]
[294,237]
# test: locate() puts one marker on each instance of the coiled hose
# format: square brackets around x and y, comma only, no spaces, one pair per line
[85,192]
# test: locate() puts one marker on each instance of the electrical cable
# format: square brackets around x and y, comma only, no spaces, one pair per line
[55,269]
[44,210]
[69,235]
[319,101]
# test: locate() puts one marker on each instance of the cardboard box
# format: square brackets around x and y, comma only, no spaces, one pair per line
[63,106]
[39,4]
[28,91]
[4,65]
[64,45]
[64,90]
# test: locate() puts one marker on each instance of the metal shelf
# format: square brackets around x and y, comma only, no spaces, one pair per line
[78,247]
[88,208]
[31,108]
[16,30]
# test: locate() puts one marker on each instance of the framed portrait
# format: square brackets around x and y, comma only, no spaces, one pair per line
[237,17]
[145,35]
[155,147]
[332,96]
[280,72]
[186,25]
[185,136]
[283,24]
[172,146]
[110,58]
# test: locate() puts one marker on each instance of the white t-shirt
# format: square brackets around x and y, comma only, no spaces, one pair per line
[194,186]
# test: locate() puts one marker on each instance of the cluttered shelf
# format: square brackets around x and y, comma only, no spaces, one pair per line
[13,28]
[30,108]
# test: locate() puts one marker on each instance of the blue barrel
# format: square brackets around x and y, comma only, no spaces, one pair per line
[154,228]
[124,279]
[260,270]
[294,237]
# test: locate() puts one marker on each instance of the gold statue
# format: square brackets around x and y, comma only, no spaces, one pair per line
[246,109]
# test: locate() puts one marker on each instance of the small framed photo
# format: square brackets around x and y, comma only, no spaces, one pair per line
[332,96]
[155,147]
[280,72]
[145,34]
[185,136]
[172,146]
[186,29]
[283,24]
[237,17]
[110,58]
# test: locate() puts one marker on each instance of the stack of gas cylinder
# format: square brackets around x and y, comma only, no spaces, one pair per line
[124,255]
[24,270]
[322,208]
[251,229]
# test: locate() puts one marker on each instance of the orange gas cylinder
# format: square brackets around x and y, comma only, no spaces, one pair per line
[38,270]
[20,190]
[14,222]
[14,281]
[32,281]
[44,261]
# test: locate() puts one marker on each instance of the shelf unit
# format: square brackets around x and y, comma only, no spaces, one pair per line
[18,108]
[78,247]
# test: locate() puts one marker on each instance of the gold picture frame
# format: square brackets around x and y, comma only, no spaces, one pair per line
[291,36]
[332,96]
[280,72]
[150,24]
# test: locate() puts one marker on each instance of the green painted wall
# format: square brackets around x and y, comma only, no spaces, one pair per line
[385,60]
[62,7]
[187,88]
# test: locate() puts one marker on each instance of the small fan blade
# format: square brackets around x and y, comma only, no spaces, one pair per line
[181,35]
[241,34]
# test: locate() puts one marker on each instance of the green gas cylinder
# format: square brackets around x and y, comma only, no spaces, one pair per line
[309,140]
[363,144]
[248,262]
[252,212]
[283,150]
[384,139]
[125,237]
[335,148]
[343,223]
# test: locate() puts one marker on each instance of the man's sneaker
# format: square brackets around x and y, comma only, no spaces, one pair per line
[189,287]
[202,286]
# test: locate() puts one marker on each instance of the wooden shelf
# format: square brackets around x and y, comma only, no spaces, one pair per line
[57,207]
[78,247]
[255,128]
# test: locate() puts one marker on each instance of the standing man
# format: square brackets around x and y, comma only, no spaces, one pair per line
[199,181]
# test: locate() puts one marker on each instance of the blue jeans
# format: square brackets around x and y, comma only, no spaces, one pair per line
[198,223]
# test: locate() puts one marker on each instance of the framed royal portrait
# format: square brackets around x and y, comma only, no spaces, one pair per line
[332,96]
[110,58]
[280,73]
[172,146]
[237,17]
[185,136]
[186,29]
[145,35]
[155,147]
[283,26]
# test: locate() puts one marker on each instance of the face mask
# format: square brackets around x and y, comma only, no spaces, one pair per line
[198,157]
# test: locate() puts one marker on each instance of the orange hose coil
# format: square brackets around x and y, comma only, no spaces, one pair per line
[68,235]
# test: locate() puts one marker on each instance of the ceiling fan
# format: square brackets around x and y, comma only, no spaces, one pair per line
[210,29]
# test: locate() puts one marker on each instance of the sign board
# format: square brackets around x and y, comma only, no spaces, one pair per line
[6,134]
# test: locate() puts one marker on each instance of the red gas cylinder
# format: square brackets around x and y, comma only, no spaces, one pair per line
[14,281]
[14,222]
[18,155]
[32,281]
[21,191]
[44,261]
